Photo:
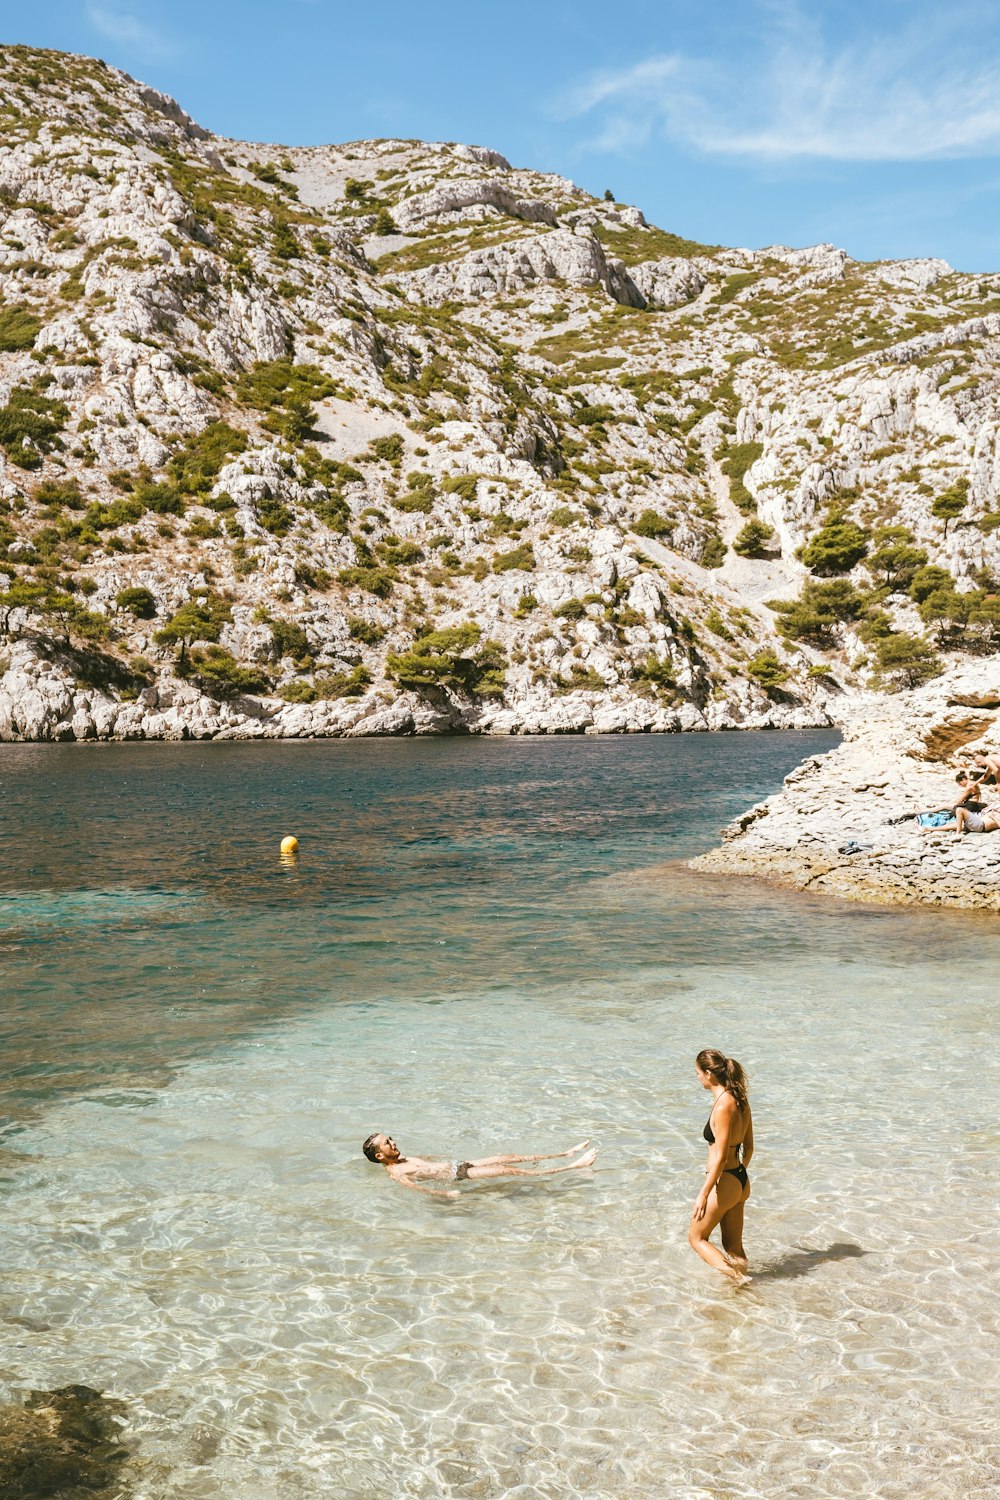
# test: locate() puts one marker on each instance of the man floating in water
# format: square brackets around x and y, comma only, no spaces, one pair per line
[406,1169]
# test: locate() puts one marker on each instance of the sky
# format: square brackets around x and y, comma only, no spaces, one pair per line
[739,122]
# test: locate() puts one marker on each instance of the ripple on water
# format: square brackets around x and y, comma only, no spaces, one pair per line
[190,1225]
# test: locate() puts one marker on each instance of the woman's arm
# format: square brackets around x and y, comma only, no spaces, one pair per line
[748,1139]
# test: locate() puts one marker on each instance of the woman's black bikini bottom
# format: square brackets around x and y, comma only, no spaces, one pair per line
[740,1173]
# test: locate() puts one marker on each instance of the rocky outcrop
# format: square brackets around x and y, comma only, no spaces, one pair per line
[456,195]
[63,1442]
[843,824]
[564,256]
[41,700]
[668,282]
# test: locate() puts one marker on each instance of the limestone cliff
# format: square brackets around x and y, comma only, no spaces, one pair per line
[394,437]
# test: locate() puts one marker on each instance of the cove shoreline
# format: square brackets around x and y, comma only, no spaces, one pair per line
[843,825]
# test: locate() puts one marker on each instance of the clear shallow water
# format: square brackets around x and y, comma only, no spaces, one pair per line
[483,945]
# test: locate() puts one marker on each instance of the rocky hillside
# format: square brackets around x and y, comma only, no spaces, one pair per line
[392,436]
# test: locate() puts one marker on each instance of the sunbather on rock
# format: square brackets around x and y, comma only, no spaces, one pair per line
[987,820]
[984,767]
[934,819]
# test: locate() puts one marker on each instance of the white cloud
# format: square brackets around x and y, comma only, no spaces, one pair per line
[129,32]
[884,99]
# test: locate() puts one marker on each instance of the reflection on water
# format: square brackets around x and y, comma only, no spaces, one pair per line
[482,947]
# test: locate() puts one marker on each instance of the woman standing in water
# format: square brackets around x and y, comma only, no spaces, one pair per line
[729,1133]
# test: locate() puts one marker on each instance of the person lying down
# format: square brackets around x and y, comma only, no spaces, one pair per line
[407,1169]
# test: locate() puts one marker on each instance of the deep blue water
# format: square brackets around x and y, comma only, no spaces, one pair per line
[145,913]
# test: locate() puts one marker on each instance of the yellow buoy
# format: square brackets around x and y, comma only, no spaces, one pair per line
[289,845]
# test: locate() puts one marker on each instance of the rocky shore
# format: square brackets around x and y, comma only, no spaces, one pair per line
[42,700]
[832,828]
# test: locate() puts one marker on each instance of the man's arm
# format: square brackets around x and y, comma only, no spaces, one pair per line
[418,1187]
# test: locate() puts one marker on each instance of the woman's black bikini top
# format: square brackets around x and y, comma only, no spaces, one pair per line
[709,1134]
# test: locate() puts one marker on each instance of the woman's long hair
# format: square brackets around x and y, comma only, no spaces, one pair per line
[727,1071]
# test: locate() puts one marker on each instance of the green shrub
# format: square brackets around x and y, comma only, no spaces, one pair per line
[652,524]
[580,679]
[905,661]
[525,606]
[164,499]
[343,684]
[451,658]
[713,552]
[334,512]
[107,516]
[293,421]
[280,383]
[365,631]
[594,416]
[385,223]
[33,418]
[378,581]
[223,504]
[717,625]
[308,576]
[199,619]
[755,539]
[18,329]
[767,670]
[138,602]
[299,691]
[463,485]
[396,553]
[835,548]
[389,449]
[950,504]
[273,516]
[202,529]
[570,609]
[521,559]
[656,672]
[737,459]
[289,639]
[820,608]
[57,493]
[416,500]
[563,516]
[928,580]
[218,671]
[284,241]
[195,466]
[895,561]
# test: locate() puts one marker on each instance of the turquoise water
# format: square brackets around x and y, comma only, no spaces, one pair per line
[482,946]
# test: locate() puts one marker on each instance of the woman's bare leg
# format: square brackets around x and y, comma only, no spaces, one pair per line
[494,1161]
[722,1199]
[483,1171]
[731,1226]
